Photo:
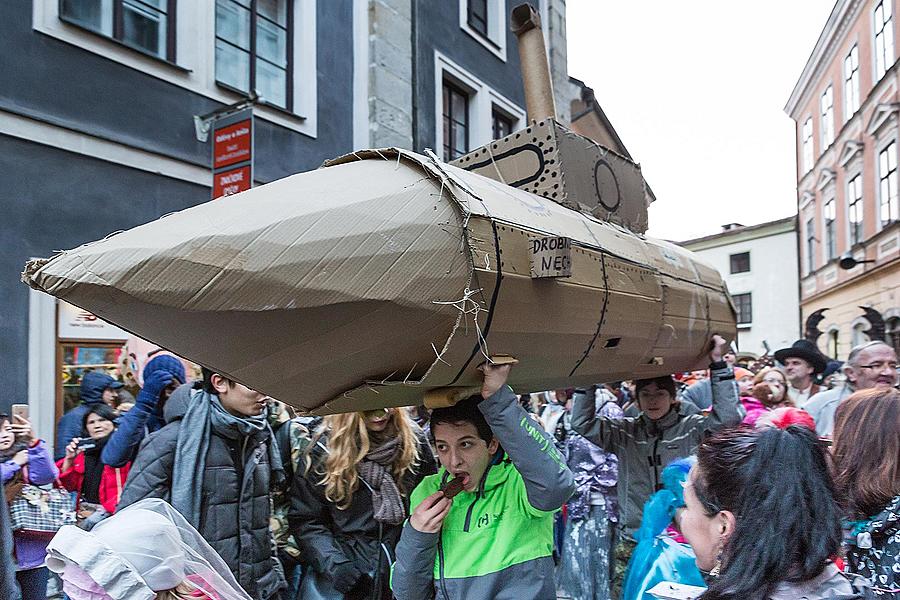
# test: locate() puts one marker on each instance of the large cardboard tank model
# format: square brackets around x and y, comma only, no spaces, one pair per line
[386,274]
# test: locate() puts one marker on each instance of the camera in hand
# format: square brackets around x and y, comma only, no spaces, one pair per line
[87,444]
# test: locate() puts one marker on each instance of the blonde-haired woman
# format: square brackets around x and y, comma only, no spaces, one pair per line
[348,507]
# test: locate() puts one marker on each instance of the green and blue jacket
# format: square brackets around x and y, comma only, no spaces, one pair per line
[496,542]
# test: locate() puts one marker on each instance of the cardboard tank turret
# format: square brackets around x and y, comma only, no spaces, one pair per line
[386,276]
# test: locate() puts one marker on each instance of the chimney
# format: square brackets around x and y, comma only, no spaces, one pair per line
[525,22]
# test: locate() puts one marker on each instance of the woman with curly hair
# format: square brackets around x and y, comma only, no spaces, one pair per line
[348,507]
[762,517]
[867,474]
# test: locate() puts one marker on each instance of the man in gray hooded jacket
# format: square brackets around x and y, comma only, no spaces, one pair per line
[646,444]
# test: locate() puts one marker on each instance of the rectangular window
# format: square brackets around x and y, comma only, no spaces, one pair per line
[884,38]
[456,121]
[810,246]
[502,125]
[145,25]
[807,145]
[478,16]
[887,178]
[744,305]
[253,48]
[851,83]
[829,212]
[740,263]
[855,209]
[826,104]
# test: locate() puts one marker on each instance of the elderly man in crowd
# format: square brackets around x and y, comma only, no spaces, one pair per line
[869,365]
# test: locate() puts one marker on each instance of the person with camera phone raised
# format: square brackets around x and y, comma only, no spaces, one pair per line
[99,486]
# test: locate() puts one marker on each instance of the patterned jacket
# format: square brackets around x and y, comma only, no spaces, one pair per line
[873,550]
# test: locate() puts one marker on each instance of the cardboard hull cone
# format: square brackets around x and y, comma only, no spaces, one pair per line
[388,274]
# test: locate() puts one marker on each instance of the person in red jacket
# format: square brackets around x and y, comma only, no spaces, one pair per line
[82,470]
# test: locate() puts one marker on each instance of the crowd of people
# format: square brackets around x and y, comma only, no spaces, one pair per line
[771,480]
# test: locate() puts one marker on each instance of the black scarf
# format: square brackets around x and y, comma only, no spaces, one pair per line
[93,472]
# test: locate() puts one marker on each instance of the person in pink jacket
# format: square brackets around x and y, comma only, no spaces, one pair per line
[26,458]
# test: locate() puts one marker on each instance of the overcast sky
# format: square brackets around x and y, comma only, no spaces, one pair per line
[696,90]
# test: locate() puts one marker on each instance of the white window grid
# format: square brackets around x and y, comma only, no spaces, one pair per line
[883,26]
[851,83]
[807,144]
[888,208]
[855,210]
[810,245]
[826,105]
[829,214]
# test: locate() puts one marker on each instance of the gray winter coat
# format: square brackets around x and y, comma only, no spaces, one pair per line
[235,506]
[644,447]
[831,584]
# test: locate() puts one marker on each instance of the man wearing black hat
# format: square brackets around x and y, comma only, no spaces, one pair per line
[802,362]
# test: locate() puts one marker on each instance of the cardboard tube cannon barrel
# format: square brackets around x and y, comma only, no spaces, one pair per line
[388,274]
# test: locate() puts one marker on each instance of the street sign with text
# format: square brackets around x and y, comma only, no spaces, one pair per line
[232,159]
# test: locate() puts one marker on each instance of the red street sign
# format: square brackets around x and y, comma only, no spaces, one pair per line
[226,183]
[232,144]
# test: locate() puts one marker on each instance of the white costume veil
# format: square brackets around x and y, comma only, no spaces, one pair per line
[143,549]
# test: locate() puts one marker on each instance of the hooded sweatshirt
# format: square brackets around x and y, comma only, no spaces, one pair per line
[645,446]
[496,542]
[71,425]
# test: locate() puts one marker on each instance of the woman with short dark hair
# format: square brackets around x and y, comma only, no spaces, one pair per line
[762,517]
[82,470]
[867,474]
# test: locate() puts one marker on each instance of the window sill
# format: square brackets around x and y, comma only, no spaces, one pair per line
[744,325]
[141,51]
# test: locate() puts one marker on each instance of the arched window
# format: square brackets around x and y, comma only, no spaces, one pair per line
[833,343]
[857,332]
[893,333]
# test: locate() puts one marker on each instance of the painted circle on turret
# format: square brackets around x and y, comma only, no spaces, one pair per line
[607,186]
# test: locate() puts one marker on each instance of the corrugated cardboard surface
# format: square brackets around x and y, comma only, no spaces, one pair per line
[549,160]
[386,274]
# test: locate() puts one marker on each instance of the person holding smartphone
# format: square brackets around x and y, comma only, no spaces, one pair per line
[26,459]
[81,470]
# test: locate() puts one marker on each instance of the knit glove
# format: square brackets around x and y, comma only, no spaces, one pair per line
[345,576]
[153,387]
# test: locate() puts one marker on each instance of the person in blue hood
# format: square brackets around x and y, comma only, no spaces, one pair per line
[96,387]
[162,376]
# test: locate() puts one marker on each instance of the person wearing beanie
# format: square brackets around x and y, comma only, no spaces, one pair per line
[162,375]
[96,387]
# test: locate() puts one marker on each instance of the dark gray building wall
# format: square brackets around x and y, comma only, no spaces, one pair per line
[58,200]
[436,27]
[50,80]
[52,199]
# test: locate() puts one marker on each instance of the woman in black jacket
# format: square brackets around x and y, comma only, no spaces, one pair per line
[348,506]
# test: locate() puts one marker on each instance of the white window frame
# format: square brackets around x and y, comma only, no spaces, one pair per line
[855,176]
[879,70]
[826,256]
[806,141]
[882,146]
[482,100]
[809,253]
[195,33]
[826,111]
[497,26]
[851,83]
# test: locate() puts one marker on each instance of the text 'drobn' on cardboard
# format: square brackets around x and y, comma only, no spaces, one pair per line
[551,257]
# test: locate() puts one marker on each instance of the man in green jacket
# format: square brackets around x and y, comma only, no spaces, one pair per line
[495,538]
